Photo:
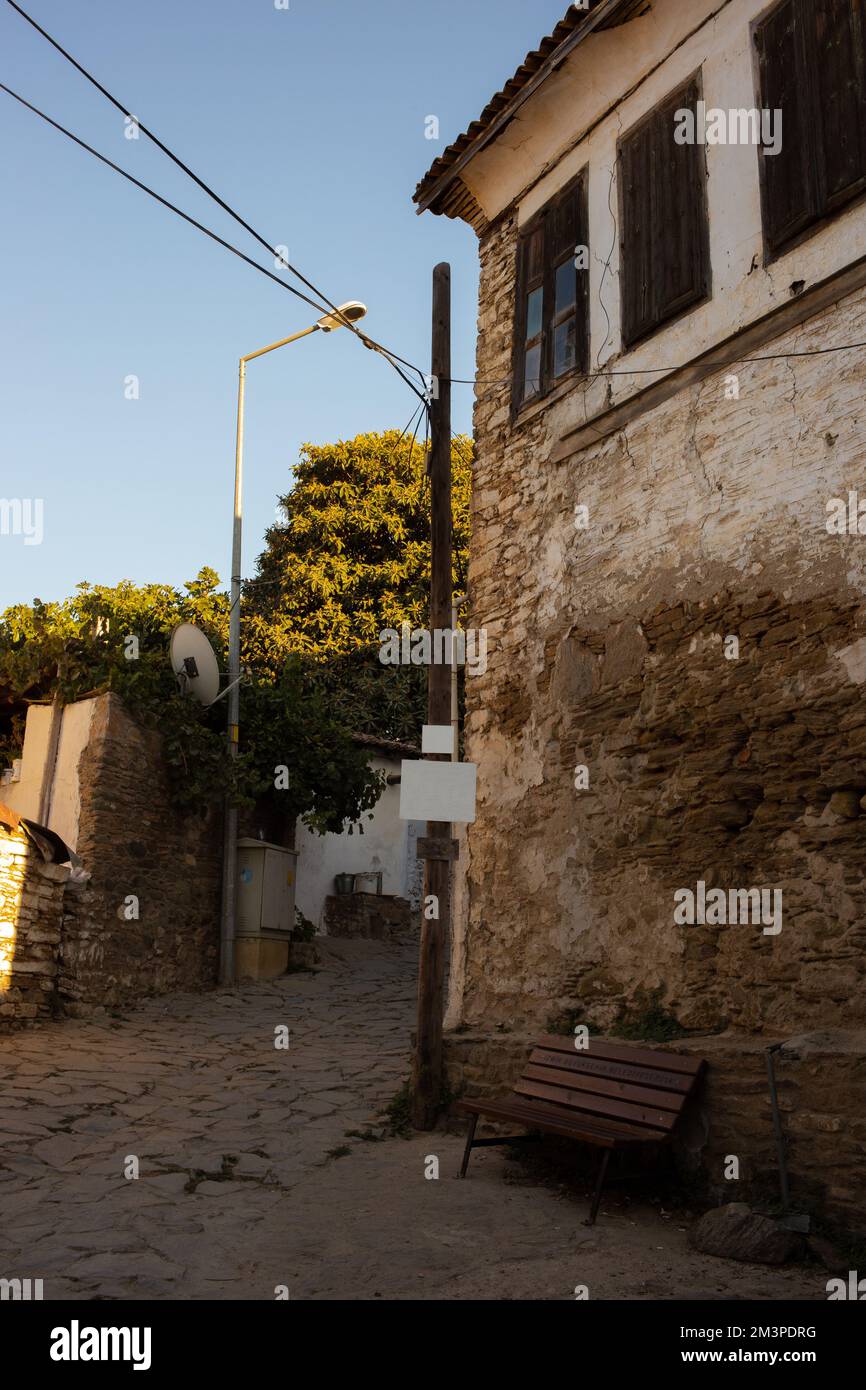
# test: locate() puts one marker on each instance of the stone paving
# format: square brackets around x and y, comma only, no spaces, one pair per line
[244,1184]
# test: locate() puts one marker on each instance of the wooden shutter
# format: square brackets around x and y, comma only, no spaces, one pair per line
[636,183]
[547,245]
[566,230]
[679,221]
[811,55]
[790,184]
[664,241]
[841,97]
[530,279]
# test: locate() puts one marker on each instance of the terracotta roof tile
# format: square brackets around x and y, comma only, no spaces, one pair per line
[456,204]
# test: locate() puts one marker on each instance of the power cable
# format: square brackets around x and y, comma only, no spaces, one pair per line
[365,339]
[321,309]
[649,371]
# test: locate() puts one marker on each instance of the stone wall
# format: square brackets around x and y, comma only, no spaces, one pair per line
[374,915]
[31,908]
[137,845]
[707,519]
[821,1086]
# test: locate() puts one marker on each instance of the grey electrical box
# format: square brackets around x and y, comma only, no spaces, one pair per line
[266,888]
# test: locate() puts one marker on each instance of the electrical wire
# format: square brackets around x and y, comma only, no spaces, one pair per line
[368,342]
[649,371]
[159,198]
[392,357]
[199,226]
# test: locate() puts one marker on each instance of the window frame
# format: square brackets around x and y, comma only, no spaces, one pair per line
[544,222]
[702,289]
[827,207]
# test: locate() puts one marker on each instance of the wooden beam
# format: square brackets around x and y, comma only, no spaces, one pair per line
[438,849]
[427,1067]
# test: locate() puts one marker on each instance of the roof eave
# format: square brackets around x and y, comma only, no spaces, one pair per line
[603,13]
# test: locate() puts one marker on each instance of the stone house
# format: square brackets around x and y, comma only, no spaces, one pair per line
[668,558]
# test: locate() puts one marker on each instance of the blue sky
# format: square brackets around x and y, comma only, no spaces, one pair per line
[310,122]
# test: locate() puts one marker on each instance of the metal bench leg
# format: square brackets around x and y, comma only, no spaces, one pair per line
[467,1151]
[599,1184]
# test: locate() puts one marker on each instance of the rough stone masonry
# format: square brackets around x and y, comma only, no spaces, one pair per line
[707,520]
[31,909]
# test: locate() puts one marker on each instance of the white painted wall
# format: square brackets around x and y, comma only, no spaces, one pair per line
[64,803]
[64,806]
[23,796]
[388,844]
[574,122]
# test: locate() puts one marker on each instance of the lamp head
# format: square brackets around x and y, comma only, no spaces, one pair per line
[350,312]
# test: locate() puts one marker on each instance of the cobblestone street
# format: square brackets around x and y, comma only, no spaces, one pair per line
[244,1181]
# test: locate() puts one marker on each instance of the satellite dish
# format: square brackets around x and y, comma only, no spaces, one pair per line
[194,663]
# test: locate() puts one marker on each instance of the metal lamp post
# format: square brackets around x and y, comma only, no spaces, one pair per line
[347,313]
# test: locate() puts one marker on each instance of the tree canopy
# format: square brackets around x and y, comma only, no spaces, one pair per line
[350,558]
[83,646]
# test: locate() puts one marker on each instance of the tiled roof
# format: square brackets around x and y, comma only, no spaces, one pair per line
[387,745]
[450,196]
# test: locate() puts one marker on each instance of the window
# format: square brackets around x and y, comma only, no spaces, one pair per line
[551,339]
[664,240]
[811,63]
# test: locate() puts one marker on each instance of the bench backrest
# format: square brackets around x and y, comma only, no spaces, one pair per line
[634,1088]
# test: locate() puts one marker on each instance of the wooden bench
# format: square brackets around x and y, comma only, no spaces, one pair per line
[606,1094]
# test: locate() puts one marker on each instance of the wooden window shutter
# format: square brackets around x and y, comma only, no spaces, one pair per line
[813,69]
[664,240]
[636,181]
[841,93]
[791,198]
[680,229]
[551,333]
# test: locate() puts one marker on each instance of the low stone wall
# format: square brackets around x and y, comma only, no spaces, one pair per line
[148,920]
[31,909]
[821,1084]
[373,915]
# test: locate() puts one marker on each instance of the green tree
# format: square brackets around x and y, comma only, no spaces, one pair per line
[116,638]
[349,559]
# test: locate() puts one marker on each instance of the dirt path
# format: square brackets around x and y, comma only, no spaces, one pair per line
[243,1186]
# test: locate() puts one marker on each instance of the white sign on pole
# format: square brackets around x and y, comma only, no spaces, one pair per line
[437,738]
[438,791]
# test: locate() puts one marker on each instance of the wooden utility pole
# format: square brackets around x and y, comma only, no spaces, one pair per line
[427,1072]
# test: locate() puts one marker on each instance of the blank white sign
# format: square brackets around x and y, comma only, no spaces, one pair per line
[438,791]
[437,738]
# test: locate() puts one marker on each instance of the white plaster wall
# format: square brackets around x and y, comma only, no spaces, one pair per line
[64,807]
[23,796]
[387,845]
[64,803]
[636,66]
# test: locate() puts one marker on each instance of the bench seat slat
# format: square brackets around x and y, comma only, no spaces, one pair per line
[572,1124]
[587,1085]
[600,1106]
[636,1056]
[672,1082]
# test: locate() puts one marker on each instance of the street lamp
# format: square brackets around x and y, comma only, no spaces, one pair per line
[345,315]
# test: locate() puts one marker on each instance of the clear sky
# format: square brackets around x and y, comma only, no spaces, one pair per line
[311,122]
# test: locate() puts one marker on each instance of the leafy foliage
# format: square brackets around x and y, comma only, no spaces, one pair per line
[81,646]
[350,559]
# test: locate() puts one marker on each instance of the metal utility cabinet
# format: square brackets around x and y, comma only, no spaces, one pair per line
[265,908]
